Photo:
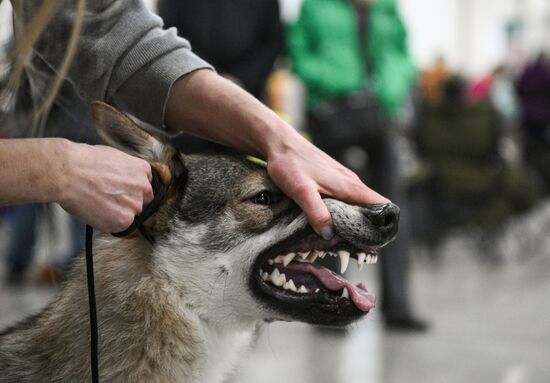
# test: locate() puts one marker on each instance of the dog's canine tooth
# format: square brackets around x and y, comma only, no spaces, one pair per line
[345,292]
[289,285]
[344,260]
[288,258]
[302,290]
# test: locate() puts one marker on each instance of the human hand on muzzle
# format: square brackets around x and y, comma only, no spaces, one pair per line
[306,174]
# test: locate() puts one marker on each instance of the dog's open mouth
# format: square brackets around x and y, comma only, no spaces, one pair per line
[291,273]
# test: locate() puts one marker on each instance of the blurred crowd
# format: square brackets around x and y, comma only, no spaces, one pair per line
[481,145]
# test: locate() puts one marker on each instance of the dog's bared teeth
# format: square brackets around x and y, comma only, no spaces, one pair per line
[270,261]
[345,292]
[374,259]
[265,276]
[288,258]
[317,290]
[261,272]
[361,260]
[278,259]
[303,290]
[274,276]
[320,253]
[277,278]
[344,260]
[312,256]
[369,259]
[289,285]
[303,255]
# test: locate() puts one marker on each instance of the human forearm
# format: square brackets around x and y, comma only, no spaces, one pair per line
[101,186]
[30,168]
[209,106]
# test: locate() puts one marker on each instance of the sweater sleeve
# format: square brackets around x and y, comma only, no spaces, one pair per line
[124,57]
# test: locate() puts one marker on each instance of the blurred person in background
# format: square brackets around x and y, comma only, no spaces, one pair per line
[467,181]
[503,97]
[353,59]
[117,51]
[432,80]
[240,38]
[533,88]
[20,250]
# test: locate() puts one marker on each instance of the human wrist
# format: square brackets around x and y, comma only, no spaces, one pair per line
[279,139]
[55,185]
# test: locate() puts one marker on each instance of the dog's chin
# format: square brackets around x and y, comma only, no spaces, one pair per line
[290,282]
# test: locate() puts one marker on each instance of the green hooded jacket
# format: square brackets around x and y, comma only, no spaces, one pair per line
[326,54]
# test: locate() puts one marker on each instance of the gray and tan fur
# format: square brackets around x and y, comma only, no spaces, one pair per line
[180,309]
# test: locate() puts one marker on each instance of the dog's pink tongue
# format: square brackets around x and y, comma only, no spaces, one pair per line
[359,295]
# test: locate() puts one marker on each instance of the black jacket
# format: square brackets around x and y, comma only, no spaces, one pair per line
[240,38]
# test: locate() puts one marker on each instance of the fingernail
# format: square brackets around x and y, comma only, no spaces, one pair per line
[327,233]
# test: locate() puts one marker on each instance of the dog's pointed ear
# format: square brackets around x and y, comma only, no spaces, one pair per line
[118,130]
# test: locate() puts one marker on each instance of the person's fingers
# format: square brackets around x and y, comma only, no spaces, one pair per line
[309,199]
[353,191]
[148,171]
[147,194]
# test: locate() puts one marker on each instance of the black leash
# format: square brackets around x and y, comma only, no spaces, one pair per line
[159,190]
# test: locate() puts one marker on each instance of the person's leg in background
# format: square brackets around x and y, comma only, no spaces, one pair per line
[395,258]
[20,247]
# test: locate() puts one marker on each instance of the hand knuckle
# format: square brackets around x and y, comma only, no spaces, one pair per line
[126,220]
[302,188]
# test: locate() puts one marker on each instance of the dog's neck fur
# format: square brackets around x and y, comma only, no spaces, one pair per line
[144,322]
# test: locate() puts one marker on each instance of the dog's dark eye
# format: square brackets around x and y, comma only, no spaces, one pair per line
[263,198]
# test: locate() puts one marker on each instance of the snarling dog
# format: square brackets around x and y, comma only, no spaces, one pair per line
[228,252]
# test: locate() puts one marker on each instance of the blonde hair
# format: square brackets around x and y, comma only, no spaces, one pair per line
[26,37]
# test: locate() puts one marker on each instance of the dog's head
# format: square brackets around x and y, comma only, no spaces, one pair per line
[236,248]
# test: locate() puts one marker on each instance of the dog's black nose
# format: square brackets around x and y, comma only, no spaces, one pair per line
[384,216]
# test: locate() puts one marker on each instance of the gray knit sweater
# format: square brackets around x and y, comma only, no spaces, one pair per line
[124,56]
